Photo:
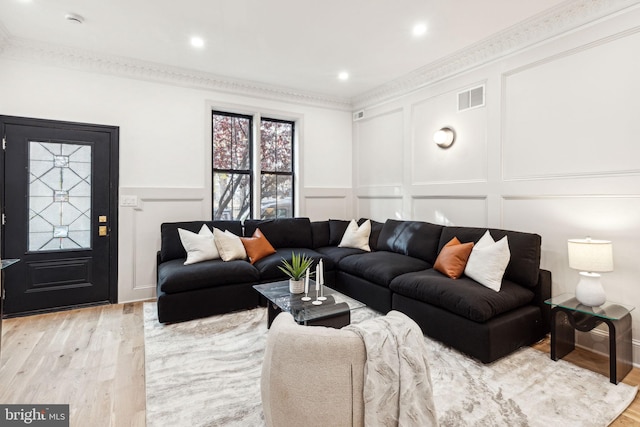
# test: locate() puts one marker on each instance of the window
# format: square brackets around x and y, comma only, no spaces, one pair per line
[237,179]
[276,169]
[232,160]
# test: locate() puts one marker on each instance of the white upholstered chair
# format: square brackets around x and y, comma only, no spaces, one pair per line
[312,376]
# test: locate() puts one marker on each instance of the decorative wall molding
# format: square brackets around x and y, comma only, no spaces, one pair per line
[136,267]
[562,18]
[4,37]
[52,54]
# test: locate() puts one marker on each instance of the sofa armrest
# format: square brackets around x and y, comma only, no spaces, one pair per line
[158,261]
[543,293]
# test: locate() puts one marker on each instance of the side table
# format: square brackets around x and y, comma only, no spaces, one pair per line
[568,315]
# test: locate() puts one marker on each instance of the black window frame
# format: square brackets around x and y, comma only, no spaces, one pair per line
[291,174]
[255,168]
[249,172]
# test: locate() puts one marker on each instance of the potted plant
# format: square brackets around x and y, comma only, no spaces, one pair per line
[296,270]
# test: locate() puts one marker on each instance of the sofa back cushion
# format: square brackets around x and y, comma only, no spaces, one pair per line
[525,250]
[414,238]
[283,232]
[170,244]
[376,228]
[320,234]
[337,227]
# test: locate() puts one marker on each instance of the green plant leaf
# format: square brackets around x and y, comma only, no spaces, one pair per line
[296,269]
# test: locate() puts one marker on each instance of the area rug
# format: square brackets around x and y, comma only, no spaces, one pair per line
[206,372]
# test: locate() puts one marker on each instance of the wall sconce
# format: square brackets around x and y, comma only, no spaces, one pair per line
[590,257]
[444,137]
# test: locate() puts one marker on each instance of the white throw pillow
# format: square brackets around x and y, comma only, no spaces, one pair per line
[200,247]
[356,237]
[229,245]
[488,261]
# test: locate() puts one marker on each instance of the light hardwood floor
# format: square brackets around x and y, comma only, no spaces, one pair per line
[93,359]
[90,358]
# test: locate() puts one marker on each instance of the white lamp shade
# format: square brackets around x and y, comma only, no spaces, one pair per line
[590,255]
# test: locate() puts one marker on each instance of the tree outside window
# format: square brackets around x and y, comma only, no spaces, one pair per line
[233,146]
[276,169]
[232,187]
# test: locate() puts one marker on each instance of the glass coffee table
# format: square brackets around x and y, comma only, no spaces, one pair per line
[335,311]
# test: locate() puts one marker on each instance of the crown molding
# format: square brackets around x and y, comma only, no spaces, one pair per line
[562,18]
[63,56]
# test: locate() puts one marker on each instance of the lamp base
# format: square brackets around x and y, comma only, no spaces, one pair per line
[589,290]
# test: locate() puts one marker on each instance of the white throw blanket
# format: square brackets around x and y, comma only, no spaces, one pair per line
[397,383]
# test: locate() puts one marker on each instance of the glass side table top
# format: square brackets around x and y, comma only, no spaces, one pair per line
[303,311]
[608,310]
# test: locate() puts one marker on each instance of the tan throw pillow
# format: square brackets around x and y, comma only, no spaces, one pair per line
[229,245]
[257,246]
[453,257]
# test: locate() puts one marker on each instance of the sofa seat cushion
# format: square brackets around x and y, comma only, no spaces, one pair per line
[174,277]
[335,253]
[268,266]
[461,296]
[380,267]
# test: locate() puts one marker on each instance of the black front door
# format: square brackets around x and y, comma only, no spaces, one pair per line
[59,214]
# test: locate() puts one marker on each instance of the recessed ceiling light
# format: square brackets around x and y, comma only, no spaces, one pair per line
[74,18]
[197,42]
[419,29]
[343,75]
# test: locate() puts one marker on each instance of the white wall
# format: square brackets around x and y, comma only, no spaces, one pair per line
[555,151]
[165,149]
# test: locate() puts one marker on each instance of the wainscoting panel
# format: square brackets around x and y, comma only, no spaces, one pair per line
[560,218]
[454,210]
[465,160]
[560,121]
[323,204]
[140,234]
[379,150]
[379,208]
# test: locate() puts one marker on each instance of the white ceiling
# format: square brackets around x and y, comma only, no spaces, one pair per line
[298,44]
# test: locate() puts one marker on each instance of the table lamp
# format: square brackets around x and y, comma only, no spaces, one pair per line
[590,257]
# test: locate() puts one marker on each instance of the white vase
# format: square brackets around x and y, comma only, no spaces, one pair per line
[589,290]
[296,286]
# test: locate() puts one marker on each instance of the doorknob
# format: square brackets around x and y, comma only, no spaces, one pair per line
[102,230]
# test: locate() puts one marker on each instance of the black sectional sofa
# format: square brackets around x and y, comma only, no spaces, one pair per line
[397,274]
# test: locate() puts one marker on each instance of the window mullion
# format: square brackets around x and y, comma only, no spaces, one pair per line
[257,165]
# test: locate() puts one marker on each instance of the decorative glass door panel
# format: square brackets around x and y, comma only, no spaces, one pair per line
[59,196]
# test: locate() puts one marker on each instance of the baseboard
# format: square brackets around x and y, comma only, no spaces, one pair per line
[597,341]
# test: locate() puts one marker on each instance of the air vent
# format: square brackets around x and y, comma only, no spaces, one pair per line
[471,98]
[358,115]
